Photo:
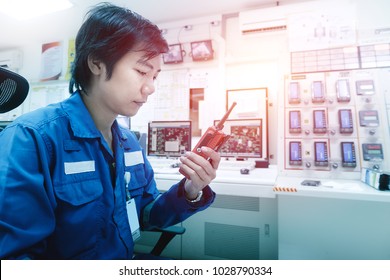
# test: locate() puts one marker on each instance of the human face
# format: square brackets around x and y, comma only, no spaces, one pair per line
[131,83]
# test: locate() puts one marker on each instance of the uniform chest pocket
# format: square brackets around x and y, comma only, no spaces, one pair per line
[138,181]
[78,193]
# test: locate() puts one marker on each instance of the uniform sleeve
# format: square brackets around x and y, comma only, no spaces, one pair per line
[172,206]
[26,209]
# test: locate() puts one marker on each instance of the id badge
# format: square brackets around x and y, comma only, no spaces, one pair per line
[132,216]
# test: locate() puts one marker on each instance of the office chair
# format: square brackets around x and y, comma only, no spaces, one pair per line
[13,90]
[167,234]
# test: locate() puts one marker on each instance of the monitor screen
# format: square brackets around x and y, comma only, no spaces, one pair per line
[169,138]
[321,153]
[348,154]
[372,151]
[202,50]
[294,93]
[295,121]
[245,138]
[295,153]
[318,95]
[365,87]
[345,120]
[174,54]
[319,123]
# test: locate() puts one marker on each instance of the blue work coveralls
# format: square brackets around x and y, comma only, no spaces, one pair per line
[63,191]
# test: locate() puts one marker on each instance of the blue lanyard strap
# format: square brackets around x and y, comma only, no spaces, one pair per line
[127,182]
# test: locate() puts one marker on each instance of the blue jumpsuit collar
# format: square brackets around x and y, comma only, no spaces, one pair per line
[76,110]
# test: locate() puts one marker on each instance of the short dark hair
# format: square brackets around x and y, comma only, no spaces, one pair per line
[108,33]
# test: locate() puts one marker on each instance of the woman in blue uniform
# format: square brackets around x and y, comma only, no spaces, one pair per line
[75,185]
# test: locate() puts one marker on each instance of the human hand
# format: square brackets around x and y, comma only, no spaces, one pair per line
[200,171]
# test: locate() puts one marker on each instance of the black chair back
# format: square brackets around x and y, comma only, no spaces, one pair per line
[13,90]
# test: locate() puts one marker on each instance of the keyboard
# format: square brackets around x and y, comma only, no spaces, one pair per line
[236,165]
[164,165]
[166,170]
[163,162]
[170,165]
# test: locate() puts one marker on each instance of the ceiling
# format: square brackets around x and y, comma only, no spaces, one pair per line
[64,24]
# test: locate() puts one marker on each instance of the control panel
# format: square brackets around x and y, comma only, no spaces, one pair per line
[336,121]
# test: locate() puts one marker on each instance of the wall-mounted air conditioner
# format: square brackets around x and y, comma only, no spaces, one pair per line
[269,19]
[11,59]
[263,20]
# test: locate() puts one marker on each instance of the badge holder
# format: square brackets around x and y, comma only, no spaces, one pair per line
[131,208]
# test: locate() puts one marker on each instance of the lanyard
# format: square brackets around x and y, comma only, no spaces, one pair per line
[127,178]
[131,209]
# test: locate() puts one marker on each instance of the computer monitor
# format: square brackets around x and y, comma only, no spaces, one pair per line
[174,54]
[169,138]
[245,138]
[202,50]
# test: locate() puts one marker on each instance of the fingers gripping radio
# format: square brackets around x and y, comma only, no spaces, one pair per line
[213,138]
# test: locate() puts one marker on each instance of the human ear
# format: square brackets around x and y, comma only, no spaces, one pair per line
[94,65]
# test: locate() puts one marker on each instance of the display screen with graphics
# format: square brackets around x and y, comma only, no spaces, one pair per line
[169,138]
[319,121]
[345,120]
[348,154]
[320,153]
[246,139]
[295,121]
[368,118]
[202,50]
[295,157]
[174,54]
[365,87]
[372,151]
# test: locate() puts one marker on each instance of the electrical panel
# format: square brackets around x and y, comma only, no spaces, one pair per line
[336,121]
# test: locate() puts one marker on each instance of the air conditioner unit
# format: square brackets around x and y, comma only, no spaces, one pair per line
[268,19]
[262,20]
[11,59]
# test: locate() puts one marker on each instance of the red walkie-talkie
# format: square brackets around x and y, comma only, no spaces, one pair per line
[213,138]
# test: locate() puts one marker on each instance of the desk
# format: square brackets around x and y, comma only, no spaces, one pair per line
[342,219]
[240,224]
[258,183]
[250,219]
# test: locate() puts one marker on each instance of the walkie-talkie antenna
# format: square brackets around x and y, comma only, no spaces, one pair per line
[219,126]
